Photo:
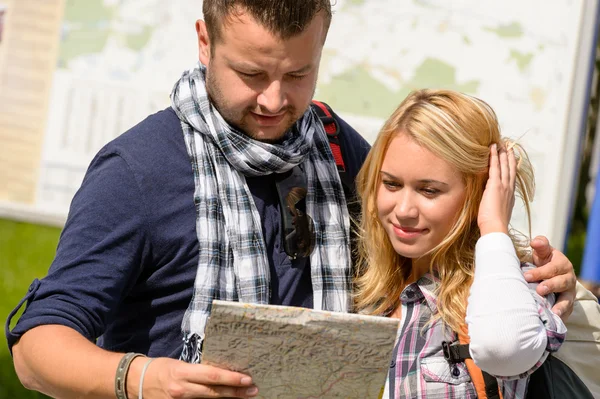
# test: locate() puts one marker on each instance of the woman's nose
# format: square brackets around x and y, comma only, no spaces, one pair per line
[406,206]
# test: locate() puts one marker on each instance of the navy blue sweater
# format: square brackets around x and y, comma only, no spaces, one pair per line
[126,261]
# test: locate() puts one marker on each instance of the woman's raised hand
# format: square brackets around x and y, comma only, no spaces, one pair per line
[498,198]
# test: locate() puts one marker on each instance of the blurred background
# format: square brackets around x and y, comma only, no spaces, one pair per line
[74,74]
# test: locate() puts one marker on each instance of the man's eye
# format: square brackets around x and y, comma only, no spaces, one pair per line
[297,77]
[248,75]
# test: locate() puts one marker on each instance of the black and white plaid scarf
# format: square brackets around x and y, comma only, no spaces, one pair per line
[232,261]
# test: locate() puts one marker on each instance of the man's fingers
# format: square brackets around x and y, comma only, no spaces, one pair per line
[545,272]
[556,284]
[564,305]
[555,274]
[179,380]
[542,251]
[209,375]
[216,391]
[562,285]
[212,382]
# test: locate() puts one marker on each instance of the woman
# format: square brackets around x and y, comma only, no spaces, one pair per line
[437,192]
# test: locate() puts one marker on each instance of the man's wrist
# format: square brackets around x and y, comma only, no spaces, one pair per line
[122,372]
[133,377]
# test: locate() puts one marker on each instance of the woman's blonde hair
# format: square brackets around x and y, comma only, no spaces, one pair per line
[459,129]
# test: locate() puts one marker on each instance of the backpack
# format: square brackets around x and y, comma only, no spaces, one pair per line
[553,380]
[581,348]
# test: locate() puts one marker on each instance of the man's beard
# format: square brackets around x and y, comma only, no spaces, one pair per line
[237,119]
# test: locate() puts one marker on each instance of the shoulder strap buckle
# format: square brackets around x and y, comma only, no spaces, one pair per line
[455,352]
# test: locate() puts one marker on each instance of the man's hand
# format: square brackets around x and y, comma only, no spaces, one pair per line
[173,379]
[74,367]
[555,274]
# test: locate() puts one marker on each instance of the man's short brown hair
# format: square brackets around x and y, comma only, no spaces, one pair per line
[284,18]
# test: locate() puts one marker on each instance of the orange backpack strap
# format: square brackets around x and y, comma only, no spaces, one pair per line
[485,384]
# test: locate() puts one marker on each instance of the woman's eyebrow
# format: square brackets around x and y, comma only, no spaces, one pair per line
[425,181]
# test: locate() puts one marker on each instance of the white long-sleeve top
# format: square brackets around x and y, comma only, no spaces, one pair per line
[505,317]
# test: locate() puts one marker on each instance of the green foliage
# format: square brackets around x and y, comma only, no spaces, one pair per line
[575,247]
[579,221]
[26,252]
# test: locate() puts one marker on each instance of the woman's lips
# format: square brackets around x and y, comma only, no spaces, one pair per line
[408,233]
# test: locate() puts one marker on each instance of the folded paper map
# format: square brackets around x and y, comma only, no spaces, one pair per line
[301,353]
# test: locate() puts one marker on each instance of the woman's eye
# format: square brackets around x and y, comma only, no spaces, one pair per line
[430,191]
[390,184]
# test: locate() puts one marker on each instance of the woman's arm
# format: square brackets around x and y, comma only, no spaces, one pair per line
[509,324]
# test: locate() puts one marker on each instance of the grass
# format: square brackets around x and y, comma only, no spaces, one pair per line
[26,252]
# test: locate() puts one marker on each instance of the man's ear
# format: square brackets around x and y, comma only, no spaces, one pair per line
[203,42]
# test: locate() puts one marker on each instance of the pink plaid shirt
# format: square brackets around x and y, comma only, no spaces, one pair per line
[419,370]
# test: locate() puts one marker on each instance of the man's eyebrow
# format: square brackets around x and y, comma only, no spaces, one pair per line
[245,66]
[305,68]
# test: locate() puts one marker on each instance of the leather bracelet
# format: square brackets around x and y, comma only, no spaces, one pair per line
[121,375]
[141,386]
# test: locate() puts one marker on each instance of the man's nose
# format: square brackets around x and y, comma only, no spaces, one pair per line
[272,99]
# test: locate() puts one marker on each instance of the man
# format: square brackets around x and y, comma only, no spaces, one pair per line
[168,216]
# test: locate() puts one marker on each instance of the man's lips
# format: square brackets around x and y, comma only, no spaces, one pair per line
[268,120]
